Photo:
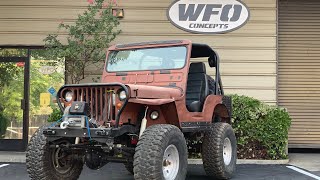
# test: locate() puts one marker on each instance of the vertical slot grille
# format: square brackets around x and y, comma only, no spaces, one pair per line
[100,100]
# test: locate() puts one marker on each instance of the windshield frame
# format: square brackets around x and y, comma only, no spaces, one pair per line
[185,62]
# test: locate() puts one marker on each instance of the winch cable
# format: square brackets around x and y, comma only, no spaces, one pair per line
[55,123]
[88,128]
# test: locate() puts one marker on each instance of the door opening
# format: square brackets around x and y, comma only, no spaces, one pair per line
[14,99]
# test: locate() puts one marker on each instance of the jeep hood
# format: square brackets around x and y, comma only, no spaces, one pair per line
[147,94]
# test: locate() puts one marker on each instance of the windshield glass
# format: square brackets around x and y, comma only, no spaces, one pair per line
[147,59]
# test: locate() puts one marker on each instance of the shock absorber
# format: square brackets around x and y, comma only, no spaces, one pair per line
[143,123]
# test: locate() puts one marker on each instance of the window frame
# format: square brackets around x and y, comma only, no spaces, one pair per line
[185,62]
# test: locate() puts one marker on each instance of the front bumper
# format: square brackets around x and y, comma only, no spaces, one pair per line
[79,132]
[97,134]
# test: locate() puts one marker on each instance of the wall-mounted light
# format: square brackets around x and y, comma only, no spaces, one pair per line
[118,13]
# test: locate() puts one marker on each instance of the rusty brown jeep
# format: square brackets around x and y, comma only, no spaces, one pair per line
[154,104]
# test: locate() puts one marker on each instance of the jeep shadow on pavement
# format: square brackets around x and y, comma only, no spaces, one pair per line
[151,102]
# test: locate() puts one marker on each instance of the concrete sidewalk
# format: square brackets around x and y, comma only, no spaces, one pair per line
[310,161]
[20,157]
[12,157]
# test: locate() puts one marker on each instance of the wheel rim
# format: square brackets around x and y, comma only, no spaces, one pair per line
[61,160]
[170,165]
[227,151]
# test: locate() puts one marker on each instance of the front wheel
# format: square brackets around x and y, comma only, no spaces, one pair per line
[161,154]
[219,151]
[129,167]
[50,164]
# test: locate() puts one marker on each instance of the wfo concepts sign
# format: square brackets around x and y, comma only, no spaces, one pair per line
[208,16]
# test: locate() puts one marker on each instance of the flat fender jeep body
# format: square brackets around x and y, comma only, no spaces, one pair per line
[147,89]
[164,90]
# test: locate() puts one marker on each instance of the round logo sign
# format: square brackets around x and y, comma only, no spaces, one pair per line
[208,16]
[47,70]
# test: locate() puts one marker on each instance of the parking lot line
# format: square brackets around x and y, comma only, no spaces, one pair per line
[4,165]
[13,131]
[303,172]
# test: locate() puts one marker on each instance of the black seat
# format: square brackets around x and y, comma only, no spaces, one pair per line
[197,87]
[211,84]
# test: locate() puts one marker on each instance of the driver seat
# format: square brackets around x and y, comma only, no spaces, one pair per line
[197,87]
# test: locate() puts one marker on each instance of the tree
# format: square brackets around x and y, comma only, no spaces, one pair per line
[87,39]
[9,70]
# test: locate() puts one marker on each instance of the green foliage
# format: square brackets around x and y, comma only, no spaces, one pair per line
[87,39]
[261,130]
[8,73]
[3,125]
[13,90]
[13,52]
[40,83]
[55,115]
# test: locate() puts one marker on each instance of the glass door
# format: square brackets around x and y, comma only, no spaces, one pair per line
[13,103]
[46,77]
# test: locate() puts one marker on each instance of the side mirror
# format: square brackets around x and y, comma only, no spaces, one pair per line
[212,60]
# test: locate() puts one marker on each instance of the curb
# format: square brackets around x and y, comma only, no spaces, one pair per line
[20,157]
[12,157]
[246,161]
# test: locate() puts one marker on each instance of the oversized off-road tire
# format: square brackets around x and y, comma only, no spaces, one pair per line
[161,154]
[219,151]
[129,167]
[44,163]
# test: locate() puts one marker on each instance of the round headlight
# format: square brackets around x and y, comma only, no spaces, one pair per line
[154,115]
[68,96]
[122,95]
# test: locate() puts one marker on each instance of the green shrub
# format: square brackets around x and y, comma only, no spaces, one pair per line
[4,122]
[55,115]
[261,130]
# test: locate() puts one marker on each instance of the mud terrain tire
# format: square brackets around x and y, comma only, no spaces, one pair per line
[161,153]
[129,167]
[218,161]
[39,162]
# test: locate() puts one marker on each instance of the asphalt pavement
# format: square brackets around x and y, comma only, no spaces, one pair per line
[114,171]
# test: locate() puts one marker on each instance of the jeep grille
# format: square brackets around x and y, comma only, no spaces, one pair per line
[100,100]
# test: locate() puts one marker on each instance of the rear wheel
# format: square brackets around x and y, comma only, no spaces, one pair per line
[219,151]
[161,154]
[50,163]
